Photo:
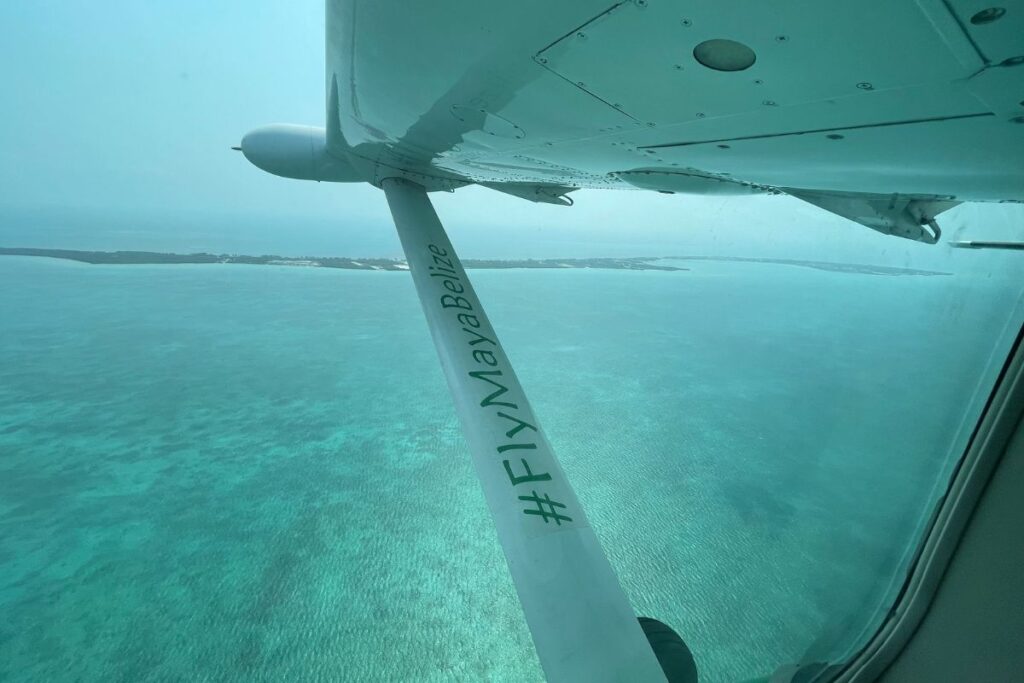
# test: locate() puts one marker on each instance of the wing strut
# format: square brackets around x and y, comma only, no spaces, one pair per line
[582,624]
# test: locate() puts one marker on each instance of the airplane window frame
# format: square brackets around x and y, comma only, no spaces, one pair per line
[996,425]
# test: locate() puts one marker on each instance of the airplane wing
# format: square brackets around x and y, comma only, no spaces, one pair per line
[886,113]
[883,112]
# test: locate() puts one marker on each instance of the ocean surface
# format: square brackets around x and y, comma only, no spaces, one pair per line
[247,473]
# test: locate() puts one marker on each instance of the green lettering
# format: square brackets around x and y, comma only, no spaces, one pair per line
[468,319]
[517,447]
[449,301]
[486,375]
[520,424]
[485,357]
[529,476]
[450,286]
[479,337]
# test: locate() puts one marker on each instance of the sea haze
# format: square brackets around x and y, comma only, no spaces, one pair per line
[254,473]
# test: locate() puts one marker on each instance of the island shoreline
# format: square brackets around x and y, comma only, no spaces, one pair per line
[381,264]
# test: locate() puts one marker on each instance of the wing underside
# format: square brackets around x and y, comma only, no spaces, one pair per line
[883,112]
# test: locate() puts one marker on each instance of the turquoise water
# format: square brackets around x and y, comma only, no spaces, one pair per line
[254,473]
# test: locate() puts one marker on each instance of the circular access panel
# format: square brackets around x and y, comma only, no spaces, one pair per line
[722,54]
[987,16]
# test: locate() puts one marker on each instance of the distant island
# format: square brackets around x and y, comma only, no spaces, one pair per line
[152,257]
[611,263]
[819,265]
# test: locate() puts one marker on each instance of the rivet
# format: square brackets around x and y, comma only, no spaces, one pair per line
[758,81]
[834,136]
[686,22]
[581,84]
[769,103]
[723,147]
[542,60]
[781,39]
[678,67]
[581,34]
[700,115]
[864,85]
[651,124]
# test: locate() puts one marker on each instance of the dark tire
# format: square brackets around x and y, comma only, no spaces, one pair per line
[675,658]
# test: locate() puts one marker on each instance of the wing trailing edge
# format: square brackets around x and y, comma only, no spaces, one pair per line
[544,194]
[896,215]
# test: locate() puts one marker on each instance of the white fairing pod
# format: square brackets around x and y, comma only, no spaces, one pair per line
[300,152]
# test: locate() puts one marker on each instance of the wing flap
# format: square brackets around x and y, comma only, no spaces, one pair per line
[899,216]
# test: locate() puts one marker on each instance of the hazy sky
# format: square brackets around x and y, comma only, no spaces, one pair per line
[119,116]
